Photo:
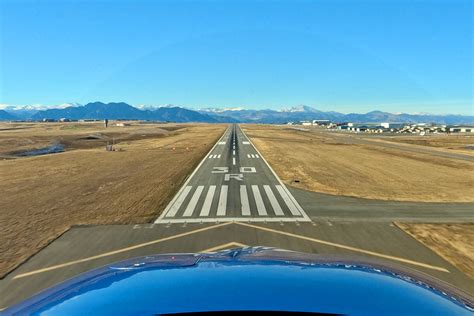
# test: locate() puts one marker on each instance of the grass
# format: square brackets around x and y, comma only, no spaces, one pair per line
[453,242]
[316,161]
[43,196]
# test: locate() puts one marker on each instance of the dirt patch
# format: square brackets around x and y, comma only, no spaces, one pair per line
[322,164]
[43,196]
[453,242]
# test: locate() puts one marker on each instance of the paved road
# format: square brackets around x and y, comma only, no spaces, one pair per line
[233,183]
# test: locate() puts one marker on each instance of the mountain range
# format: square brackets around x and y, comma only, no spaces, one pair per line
[121,110]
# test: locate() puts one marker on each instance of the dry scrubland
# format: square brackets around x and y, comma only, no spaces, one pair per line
[42,196]
[453,242]
[327,164]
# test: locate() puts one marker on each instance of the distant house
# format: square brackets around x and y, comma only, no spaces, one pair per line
[392,125]
[461,128]
[321,122]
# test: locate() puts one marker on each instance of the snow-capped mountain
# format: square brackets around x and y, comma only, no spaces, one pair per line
[172,113]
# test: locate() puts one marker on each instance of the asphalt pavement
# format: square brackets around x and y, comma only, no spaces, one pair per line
[233,183]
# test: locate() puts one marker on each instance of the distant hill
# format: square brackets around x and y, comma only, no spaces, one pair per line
[121,110]
[114,111]
[5,116]
[177,114]
[95,110]
[303,113]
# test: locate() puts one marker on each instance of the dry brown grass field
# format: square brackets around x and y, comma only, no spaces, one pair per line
[453,242]
[43,196]
[453,142]
[320,162]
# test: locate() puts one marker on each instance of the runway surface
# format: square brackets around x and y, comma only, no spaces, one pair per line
[233,183]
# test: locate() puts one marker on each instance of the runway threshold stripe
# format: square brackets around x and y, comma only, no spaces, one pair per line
[221,207]
[244,200]
[218,156]
[262,211]
[273,201]
[233,161]
[206,207]
[291,206]
[248,155]
[192,204]
[174,209]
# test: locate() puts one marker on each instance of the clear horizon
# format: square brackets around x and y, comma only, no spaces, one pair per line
[344,56]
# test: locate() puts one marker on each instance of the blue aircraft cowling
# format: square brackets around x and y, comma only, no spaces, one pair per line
[248,279]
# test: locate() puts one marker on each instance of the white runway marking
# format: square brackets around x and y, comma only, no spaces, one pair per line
[273,201]
[218,156]
[221,143]
[206,207]
[233,161]
[233,152]
[221,207]
[174,209]
[244,200]
[220,170]
[262,211]
[288,201]
[246,143]
[248,155]
[192,204]
[256,156]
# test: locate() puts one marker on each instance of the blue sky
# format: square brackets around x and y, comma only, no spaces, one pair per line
[348,56]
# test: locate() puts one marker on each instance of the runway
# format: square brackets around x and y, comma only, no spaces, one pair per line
[233,183]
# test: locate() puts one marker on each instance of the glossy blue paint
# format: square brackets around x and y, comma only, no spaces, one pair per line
[248,279]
